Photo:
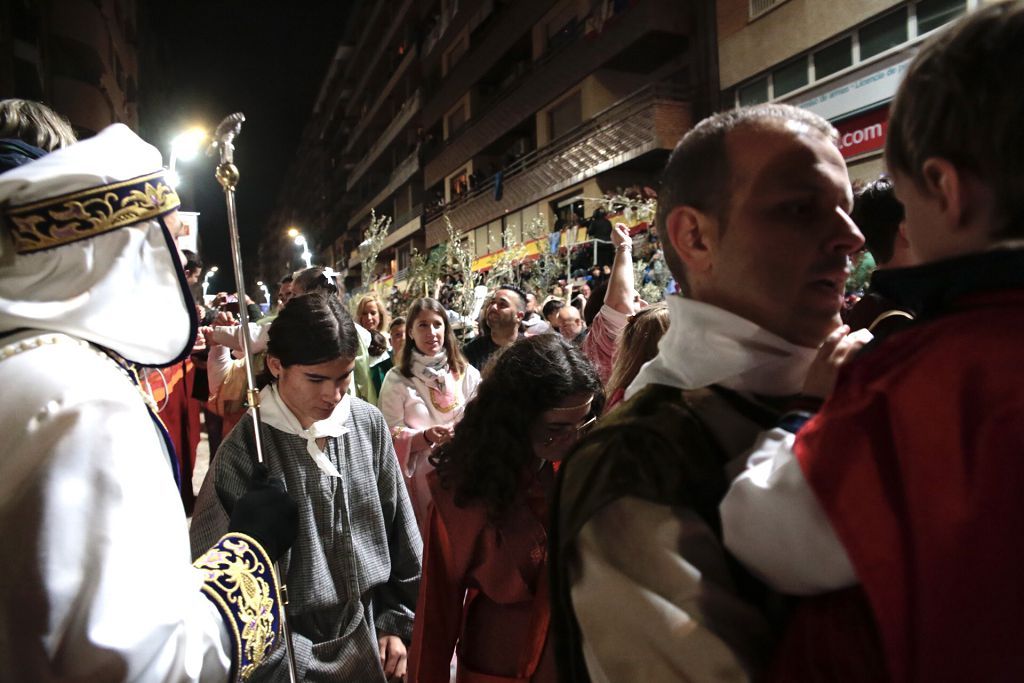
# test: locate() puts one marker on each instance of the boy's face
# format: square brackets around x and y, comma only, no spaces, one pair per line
[932,232]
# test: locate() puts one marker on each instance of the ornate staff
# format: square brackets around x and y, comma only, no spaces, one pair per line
[227,176]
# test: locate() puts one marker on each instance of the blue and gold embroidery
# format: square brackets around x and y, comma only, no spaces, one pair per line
[80,215]
[239,579]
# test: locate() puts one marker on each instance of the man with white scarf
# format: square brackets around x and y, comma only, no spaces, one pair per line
[753,210]
[97,584]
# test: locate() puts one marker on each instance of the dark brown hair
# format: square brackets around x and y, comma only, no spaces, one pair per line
[960,101]
[485,460]
[456,361]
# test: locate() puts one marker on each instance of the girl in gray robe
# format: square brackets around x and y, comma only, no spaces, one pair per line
[353,572]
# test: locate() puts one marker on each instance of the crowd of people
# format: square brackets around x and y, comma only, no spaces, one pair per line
[748,481]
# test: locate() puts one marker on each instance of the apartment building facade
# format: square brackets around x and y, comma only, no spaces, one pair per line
[843,60]
[78,56]
[494,115]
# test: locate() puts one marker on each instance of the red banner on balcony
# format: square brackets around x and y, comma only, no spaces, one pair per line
[864,132]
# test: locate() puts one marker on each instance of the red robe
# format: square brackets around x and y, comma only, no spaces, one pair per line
[485,587]
[918,460]
[172,391]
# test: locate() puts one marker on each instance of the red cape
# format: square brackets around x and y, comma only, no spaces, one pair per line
[918,459]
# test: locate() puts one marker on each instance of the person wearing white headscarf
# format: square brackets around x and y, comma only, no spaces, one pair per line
[96,583]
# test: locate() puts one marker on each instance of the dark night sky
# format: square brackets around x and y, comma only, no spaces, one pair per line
[202,60]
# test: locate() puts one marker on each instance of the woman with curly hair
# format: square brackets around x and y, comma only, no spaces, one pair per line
[484,583]
[425,394]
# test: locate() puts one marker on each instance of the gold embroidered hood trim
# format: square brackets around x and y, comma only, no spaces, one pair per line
[57,221]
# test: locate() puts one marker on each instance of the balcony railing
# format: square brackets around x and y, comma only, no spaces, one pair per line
[653,117]
[365,121]
[582,49]
[378,39]
[400,175]
[402,118]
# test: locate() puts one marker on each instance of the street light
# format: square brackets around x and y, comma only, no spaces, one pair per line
[300,240]
[206,280]
[184,146]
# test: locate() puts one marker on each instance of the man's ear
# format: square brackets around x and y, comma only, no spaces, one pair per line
[945,184]
[900,239]
[274,364]
[689,232]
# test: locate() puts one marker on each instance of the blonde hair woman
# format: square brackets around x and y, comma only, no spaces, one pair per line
[373,315]
[638,344]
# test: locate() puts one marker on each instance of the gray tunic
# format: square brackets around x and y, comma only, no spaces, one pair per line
[354,570]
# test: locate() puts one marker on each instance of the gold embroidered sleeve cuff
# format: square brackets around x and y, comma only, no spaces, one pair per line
[239,579]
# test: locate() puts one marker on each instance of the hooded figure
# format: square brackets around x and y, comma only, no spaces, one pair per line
[97,584]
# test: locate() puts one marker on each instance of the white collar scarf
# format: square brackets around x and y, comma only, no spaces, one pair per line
[431,369]
[276,414]
[707,345]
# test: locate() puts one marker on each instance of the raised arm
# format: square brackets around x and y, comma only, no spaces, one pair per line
[621,295]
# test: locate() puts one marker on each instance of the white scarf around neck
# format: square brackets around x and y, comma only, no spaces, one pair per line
[276,414]
[707,345]
[431,369]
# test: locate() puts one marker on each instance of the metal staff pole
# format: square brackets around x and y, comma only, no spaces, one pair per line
[227,176]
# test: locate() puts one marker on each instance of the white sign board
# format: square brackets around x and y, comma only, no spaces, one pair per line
[189,238]
[868,88]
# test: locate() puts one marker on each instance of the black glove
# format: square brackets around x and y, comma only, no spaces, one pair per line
[267,513]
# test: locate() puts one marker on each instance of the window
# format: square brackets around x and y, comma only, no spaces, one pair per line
[875,38]
[884,33]
[932,14]
[568,212]
[835,57]
[754,93]
[403,201]
[452,56]
[458,184]
[455,119]
[790,77]
[566,115]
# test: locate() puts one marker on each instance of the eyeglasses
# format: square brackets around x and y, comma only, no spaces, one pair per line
[569,432]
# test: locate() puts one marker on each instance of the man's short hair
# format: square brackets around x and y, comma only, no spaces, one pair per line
[960,101]
[520,296]
[552,307]
[697,172]
[878,214]
[285,280]
[192,260]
